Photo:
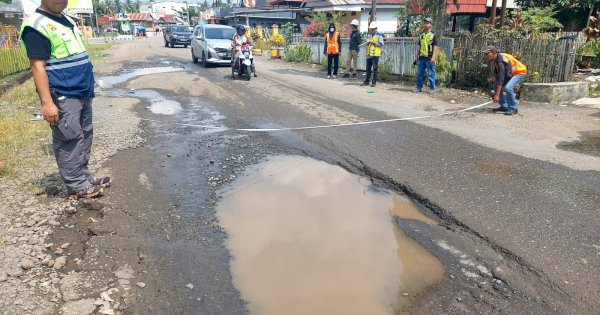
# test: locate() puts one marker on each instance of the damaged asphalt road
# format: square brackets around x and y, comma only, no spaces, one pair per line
[513,234]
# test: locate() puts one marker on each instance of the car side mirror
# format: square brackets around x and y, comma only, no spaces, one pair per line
[199,37]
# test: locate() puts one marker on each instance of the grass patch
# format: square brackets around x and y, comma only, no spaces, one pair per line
[96,51]
[19,136]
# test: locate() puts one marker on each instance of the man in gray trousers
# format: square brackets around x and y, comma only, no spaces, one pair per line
[64,81]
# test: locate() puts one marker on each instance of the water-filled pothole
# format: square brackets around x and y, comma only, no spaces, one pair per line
[110,81]
[158,103]
[307,237]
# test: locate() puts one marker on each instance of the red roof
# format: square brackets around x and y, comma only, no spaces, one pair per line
[466,6]
[140,17]
[463,7]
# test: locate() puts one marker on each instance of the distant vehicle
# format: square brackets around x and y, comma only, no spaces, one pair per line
[140,30]
[211,43]
[177,35]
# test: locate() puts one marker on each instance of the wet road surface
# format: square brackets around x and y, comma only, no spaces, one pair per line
[500,233]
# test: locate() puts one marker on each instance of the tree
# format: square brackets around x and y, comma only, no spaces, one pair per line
[433,8]
[6,1]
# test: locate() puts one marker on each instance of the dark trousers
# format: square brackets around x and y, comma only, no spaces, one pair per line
[72,142]
[372,62]
[336,60]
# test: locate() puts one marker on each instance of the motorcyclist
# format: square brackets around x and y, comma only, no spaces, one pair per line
[237,41]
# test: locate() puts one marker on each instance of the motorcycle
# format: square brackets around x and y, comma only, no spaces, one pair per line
[244,63]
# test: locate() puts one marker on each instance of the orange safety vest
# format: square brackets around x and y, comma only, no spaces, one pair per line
[515,65]
[332,44]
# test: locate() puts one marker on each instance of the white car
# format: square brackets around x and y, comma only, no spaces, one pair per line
[211,44]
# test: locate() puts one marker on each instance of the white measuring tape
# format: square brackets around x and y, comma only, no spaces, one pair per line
[323,126]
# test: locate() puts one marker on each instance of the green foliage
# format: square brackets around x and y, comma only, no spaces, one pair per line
[542,19]
[300,53]
[322,18]
[443,68]
[287,30]
[384,70]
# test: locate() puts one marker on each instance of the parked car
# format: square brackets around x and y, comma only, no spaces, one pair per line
[211,43]
[177,35]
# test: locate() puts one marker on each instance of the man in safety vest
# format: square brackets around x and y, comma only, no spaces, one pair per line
[426,55]
[509,73]
[374,47]
[64,81]
[333,47]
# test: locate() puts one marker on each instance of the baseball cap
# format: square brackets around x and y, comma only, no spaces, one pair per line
[428,20]
[489,49]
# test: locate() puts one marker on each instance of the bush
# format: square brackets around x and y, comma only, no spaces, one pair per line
[300,53]
[443,68]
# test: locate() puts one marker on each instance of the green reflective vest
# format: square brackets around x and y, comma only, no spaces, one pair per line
[69,68]
[64,41]
[426,45]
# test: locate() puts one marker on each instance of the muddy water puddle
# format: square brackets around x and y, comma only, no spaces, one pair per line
[307,237]
[158,103]
[110,81]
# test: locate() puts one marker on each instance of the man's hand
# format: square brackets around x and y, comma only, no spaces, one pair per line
[496,98]
[50,113]
[433,61]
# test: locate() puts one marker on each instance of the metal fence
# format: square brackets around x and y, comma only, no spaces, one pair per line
[549,58]
[398,53]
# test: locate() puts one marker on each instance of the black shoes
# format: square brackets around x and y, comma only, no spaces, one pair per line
[511,112]
[499,109]
[365,83]
[90,191]
[373,84]
[102,182]
[354,75]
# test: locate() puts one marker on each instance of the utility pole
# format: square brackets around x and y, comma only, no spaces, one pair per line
[373,11]
[503,14]
[494,7]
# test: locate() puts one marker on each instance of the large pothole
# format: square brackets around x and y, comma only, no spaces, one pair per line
[307,237]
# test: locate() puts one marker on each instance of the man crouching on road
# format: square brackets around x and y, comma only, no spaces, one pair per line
[509,73]
[64,81]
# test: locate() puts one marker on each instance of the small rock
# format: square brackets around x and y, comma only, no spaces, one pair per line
[141,284]
[459,299]
[168,154]
[65,245]
[190,286]
[452,101]
[405,293]
[50,263]
[60,262]
[27,264]
[452,277]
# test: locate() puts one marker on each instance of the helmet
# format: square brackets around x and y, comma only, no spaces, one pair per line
[240,29]
[373,25]
[354,22]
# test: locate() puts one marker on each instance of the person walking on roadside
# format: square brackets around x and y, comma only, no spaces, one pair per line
[355,40]
[509,73]
[333,47]
[374,47]
[63,77]
[426,55]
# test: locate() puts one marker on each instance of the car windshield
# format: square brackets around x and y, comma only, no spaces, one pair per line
[181,29]
[219,33]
